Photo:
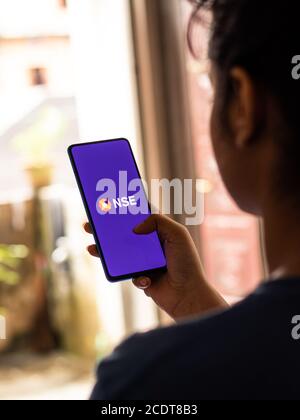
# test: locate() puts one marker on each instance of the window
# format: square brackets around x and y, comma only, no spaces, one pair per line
[37,76]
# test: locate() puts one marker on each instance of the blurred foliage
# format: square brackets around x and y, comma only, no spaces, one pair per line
[11,257]
[103,346]
[35,142]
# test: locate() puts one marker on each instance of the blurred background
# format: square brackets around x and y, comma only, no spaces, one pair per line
[85,70]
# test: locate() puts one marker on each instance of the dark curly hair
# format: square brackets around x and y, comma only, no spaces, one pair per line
[262,37]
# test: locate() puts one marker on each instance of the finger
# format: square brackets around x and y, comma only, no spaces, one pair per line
[87,227]
[92,249]
[167,228]
[142,283]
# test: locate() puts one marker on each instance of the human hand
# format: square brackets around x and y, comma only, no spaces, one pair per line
[181,291]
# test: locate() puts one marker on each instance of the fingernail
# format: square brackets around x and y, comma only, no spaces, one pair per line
[144,283]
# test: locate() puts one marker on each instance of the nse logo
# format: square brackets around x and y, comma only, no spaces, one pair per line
[104,205]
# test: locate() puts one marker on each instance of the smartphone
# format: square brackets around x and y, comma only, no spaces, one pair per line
[115,202]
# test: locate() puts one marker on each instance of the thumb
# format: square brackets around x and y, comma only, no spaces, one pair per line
[166,228]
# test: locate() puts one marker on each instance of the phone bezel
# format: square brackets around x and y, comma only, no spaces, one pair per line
[110,278]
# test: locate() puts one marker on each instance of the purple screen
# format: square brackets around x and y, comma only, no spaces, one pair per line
[116,211]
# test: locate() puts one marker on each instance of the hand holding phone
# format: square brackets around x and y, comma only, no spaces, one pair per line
[115,203]
[182,291]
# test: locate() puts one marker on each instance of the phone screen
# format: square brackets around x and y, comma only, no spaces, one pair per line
[115,201]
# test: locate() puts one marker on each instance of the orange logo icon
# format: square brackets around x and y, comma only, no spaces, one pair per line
[104,205]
